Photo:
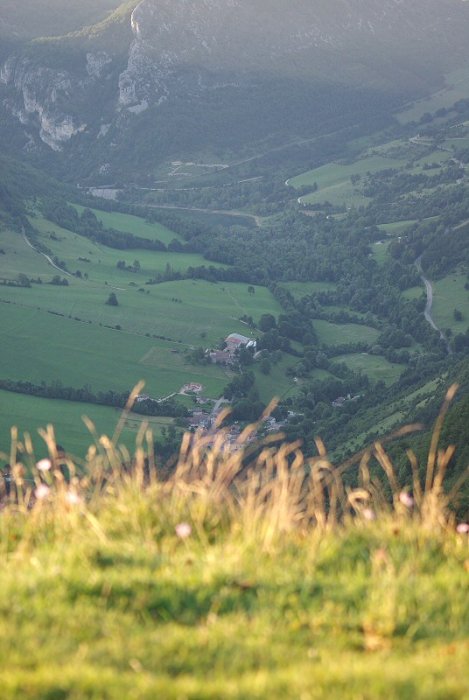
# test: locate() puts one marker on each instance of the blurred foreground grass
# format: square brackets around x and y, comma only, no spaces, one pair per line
[273,581]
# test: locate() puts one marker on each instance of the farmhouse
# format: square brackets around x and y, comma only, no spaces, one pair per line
[235,341]
[220,357]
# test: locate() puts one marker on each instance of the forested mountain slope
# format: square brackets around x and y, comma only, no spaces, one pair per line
[159,79]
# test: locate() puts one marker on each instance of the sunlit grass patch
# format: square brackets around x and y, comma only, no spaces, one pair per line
[233,576]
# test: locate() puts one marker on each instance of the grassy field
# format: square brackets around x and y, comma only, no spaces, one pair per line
[38,346]
[133,224]
[276,381]
[380,251]
[449,294]
[68,334]
[375,366]
[200,312]
[339,333]
[189,312]
[70,247]
[395,228]
[333,180]
[205,217]
[169,592]
[20,258]
[456,88]
[436,156]
[28,413]
[414,292]
[457,143]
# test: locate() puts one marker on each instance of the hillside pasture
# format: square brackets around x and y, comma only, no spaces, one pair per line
[437,157]
[191,312]
[414,292]
[380,251]
[334,183]
[449,294]
[18,257]
[456,88]
[457,143]
[377,368]
[204,217]
[128,223]
[38,346]
[340,333]
[276,383]
[101,267]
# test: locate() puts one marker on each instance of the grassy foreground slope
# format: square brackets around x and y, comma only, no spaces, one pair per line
[140,614]
[208,585]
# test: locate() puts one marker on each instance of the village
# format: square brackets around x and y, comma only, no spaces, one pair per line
[204,415]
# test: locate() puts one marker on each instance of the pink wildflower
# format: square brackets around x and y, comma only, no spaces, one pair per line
[463,529]
[183,530]
[42,492]
[44,465]
[406,499]
[72,498]
[369,514]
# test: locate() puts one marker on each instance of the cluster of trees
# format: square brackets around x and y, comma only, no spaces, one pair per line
[388,185]
[242,392]
[85,394]
[134,267]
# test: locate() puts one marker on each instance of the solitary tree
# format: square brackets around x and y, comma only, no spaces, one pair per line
[112,300]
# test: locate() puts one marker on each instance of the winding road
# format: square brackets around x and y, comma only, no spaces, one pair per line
[225,212]
[47,257]
[429,304]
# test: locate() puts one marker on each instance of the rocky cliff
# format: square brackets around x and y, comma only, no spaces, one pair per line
[96,86]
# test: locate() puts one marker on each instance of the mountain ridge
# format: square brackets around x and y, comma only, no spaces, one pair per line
[200,60]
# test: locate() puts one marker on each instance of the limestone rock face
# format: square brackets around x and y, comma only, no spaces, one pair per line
[96,85]
[39,97]
[342,40]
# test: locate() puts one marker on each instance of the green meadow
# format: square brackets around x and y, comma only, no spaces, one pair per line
[191,312]
[414,292]
[333,180]
[19,257]
[449,294]
[456,88]
[339,333]
[395,228]
[69,334]
[38,346]
[133,224]
[29,413]
[380,251]
[375,366]
[102,261]
[277,380]
[200,311]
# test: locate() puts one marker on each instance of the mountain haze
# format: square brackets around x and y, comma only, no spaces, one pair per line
[173,78]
